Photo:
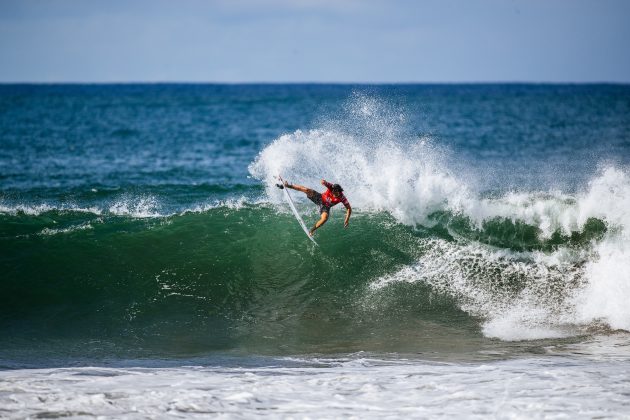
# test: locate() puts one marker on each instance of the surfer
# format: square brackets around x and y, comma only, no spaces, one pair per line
[332,196]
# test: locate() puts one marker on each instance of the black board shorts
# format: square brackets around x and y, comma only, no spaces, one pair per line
[316,198]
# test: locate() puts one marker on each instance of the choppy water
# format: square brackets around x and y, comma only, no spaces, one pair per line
[140,232]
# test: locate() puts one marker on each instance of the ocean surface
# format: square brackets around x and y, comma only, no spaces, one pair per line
[150,268]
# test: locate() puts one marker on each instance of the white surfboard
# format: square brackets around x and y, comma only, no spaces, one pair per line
[294,210]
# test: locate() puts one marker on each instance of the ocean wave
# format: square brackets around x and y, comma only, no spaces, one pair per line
[206,256]
[409,179]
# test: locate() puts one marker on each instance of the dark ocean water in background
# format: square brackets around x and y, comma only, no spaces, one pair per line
[141,221]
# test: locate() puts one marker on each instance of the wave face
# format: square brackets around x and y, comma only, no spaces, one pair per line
[231,276]
[452,245]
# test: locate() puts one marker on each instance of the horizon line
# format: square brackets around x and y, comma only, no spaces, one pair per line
[175,82]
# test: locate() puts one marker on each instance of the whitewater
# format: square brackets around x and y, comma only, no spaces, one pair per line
[359,388]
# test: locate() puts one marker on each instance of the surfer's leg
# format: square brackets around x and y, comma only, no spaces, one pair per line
[320,222]
[298,188]
[312,195]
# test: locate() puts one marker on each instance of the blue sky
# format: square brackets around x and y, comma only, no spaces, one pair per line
[315,41]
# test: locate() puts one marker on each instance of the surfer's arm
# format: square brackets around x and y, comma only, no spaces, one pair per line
[348,213]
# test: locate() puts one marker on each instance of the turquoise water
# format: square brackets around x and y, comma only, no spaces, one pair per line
[141,221]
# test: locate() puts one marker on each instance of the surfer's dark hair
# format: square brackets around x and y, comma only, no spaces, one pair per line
[337,187]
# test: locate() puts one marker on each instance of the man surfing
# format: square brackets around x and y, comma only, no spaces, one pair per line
[331,197]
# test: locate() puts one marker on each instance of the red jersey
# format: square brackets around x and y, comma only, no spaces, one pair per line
[329,200]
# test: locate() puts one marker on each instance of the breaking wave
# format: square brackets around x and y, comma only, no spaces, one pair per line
[530,264]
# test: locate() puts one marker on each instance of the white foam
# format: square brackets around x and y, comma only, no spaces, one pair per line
[531,388]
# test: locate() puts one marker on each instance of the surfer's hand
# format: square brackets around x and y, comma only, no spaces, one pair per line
[345,224]
[323,181]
